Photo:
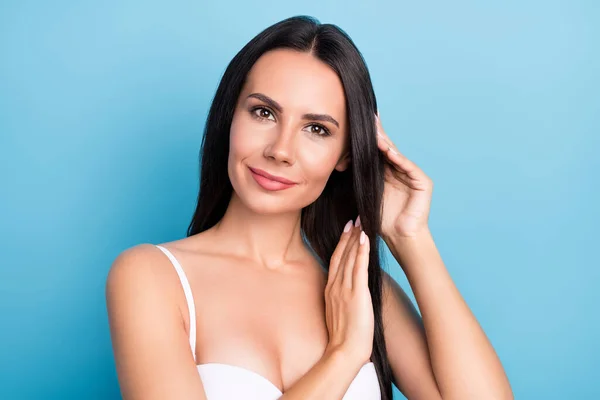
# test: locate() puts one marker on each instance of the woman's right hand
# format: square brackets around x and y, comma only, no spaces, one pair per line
[348,304]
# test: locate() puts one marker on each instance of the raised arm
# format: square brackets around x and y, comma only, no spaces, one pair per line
[462,358]
[448,347]
[151,349]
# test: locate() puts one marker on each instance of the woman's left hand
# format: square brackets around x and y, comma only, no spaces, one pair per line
[407,192]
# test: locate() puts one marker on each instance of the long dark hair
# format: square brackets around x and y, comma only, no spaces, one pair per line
[356,191]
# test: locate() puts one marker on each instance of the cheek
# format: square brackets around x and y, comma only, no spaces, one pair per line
[238,149]
[241,142]
[246,141]
[317,164]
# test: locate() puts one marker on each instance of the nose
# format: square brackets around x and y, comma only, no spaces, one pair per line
[281,148]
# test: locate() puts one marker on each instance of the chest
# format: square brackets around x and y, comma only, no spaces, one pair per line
[269,323]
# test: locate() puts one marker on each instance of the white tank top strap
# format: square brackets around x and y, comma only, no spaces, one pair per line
[187,290]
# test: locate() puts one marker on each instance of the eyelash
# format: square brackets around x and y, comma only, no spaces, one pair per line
[326,131]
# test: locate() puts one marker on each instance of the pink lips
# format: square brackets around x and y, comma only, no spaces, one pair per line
[270,182]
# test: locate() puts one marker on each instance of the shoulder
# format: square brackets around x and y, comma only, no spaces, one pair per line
[140,263]
[140,276]
[142,300]
[149,339]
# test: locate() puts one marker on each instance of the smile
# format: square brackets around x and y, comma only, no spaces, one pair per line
[270,182]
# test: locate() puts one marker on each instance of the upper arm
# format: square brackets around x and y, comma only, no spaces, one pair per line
[150,345]
[406,344]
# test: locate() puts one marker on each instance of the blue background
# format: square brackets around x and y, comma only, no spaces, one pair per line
[102,108]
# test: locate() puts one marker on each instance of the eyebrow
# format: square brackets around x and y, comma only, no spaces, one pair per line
[310,116]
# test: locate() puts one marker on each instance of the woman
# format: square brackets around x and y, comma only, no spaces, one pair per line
[283,294]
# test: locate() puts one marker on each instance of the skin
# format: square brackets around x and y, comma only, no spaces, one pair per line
[463,361]
[258,291]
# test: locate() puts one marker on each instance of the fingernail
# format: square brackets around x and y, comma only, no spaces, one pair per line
[362,237]
[348,226]
[357,223]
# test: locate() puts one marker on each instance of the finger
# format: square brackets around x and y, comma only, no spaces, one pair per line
[399,161]
[388,148]
[406,166]
[361,267]
[350,261]
[378,123]
[392,174]
[381,133]
[336,257]
[385,145]
[339,278]
[384,142]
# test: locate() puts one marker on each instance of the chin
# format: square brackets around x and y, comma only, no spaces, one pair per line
[262,202]
[260,205]
[257,199]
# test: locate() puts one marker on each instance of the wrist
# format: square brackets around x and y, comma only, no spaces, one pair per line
[343,357]
[411,251]
[421,236]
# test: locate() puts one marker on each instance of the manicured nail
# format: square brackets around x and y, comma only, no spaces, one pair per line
[348,226]
[357,223]
[362,237]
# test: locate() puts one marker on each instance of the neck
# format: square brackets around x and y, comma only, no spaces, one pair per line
[271,240]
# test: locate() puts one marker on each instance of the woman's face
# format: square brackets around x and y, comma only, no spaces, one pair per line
[289,132]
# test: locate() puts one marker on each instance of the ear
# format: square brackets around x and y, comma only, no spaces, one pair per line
[344,162]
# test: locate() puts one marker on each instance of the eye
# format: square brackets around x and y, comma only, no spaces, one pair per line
[266,114]
[319,130]
[263,113]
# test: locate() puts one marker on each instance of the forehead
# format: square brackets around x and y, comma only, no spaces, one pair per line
[299,82]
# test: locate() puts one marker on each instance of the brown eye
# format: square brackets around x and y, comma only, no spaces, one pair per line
[319,130]
[263,113]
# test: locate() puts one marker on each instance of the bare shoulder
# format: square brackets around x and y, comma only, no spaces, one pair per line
[139,267]
[150,343]
[139,285]
[145,270]
[141,253]
[142,278]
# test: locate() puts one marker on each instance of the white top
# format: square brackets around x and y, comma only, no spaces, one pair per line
[229,382]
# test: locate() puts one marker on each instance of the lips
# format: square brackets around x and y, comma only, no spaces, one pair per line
[271,177]
[270,182]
